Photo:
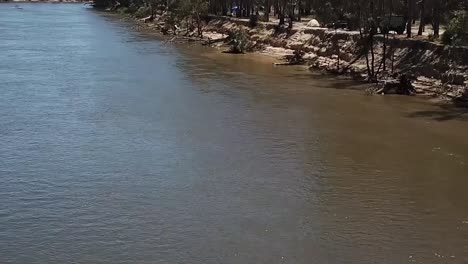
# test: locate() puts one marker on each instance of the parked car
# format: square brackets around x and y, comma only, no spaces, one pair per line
[393,23]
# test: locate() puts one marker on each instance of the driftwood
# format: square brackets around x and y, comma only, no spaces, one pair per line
[148,19]
[402,85]
[297,58]
[213,41]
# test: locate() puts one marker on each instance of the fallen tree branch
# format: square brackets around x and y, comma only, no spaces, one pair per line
[213,41]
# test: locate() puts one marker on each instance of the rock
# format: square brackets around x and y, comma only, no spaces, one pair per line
[313,23]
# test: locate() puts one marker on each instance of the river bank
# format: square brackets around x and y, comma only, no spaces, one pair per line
[437,71]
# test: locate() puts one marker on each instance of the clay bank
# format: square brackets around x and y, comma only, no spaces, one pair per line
[435,69]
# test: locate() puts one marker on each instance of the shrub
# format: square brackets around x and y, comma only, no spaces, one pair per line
[123,10]
[253,21]
[447,37]
[456,32]
[143,11]
[238,40]
[465,94]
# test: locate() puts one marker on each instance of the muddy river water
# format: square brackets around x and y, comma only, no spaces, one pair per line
[117,147]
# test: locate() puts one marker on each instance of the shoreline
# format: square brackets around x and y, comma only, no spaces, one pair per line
[444,81]
[440,72]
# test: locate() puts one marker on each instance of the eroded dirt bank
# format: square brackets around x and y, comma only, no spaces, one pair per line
[438,70]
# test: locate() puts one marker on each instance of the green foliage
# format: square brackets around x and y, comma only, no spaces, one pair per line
[238,41]
[447,37]
[199,8]
[143,11]
[124,10]
[456,32]
[195,11]
[173,18]
[182,10]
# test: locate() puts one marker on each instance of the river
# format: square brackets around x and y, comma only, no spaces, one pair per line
[117,147]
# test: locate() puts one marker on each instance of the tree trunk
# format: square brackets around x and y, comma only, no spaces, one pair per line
[436,19]
[384,52]
[385,40]
[225,9]
[410,17]
[308,7]
[275,8]
[422,21]
[337,48]
[267,10]
[281,13]
[291,16]
[199,26]
[372,55]
[365,49]
[299,10]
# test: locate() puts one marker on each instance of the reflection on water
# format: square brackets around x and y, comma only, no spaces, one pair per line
[118,148]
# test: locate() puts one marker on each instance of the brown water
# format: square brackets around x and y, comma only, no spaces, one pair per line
[119,148]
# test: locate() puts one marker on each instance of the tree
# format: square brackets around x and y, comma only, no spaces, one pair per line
[356,12]
[457,30]
[199,11]
[411,6]
[267,10]
[422,19]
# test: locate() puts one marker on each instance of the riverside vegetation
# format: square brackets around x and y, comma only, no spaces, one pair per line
[434,63]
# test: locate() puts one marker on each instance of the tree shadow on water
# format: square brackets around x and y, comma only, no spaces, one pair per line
[445,113]
[326,80]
